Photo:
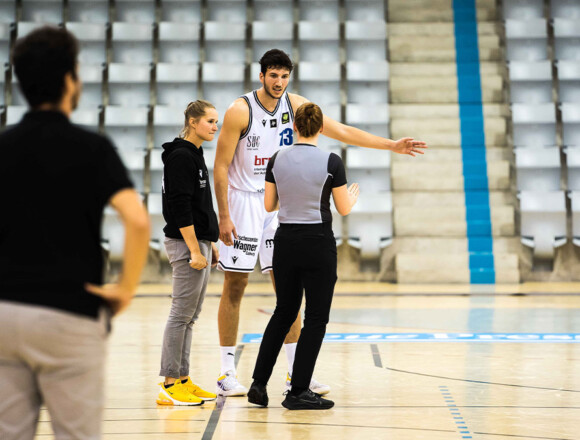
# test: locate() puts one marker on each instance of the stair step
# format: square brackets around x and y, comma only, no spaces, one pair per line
[492,126]
[493,154]
[404,11]
[446,140]
[451,245]
[451,268]
[438,29]
[446,198]
[429,111]
[449,221]
[443,68]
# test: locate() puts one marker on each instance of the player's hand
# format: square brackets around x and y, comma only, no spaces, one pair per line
[215,255]
[353,192]
[197,261]
[227,228]
[409,146]
[116,296]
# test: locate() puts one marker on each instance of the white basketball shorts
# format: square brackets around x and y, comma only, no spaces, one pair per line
[255,227]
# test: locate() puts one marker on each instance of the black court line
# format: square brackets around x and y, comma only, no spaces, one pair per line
[482,381]
[337,425]
[376,354]
[219,404]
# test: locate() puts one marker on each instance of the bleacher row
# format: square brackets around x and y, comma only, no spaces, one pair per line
[543,55]
[142,61]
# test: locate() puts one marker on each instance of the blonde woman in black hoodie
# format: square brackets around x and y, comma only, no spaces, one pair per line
[190,236]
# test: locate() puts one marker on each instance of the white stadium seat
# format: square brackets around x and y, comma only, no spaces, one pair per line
[319,10]
[87,118]
[155,209]
[538,169]
[268,35]
[181,11]
[132,43]
[318,41]
[543,221]
[365,10]
[92,40]
[5,30]
[565,9]
[567,39]
[372,118]
[575,199]
[571,124]
[135,11]
[280,11]
[230,11]
[127,127]
[167,124]
[129,84]
[370,168]
[88,11]
[370,223]
[320,82]
[534,125]
[523,9]
[42,11]
[92,79]
[222,84]
[134,161]
[573,166]
[366,41]
[179,42]
[14,114]
[7,11]
[225,41]
[367,82]
[176,84]
[527,40]
[568,80]
[530,81]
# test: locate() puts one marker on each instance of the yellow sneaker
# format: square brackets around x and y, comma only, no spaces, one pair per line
[197,391]
[177,395]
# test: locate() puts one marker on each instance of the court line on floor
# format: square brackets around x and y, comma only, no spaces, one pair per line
[220,403]
[376,354]
[335,425]
[523,436]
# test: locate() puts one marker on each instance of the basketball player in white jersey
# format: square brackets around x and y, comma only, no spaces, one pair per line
[255,126]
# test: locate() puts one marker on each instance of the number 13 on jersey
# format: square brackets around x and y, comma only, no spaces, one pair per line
[287,137]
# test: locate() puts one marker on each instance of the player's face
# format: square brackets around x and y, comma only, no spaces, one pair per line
[275,82]
[206,127]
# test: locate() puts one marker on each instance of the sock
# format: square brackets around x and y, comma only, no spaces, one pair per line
[290,353]
[228,359]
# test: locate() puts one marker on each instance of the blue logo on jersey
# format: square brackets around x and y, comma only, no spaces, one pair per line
[287,137]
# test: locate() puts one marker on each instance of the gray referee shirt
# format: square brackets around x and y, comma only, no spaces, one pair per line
[304,177]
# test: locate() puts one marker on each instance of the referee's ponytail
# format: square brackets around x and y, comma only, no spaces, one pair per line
[308,119]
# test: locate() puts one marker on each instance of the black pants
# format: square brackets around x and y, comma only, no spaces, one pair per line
[304,259]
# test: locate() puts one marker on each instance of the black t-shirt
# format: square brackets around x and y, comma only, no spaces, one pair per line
[55,180]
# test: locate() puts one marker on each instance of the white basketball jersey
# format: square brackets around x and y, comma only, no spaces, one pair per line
[267,132]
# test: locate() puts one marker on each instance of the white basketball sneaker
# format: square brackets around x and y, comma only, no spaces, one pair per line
[315,386]
[228,385]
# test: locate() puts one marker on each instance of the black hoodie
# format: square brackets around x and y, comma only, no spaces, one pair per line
[187,191]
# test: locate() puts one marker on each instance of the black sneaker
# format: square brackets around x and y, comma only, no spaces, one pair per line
[258,395]
[306,400]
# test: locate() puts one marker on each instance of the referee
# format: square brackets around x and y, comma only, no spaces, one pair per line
[301,178]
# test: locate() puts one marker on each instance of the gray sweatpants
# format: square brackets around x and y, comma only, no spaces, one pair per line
[189,287]
[51,357]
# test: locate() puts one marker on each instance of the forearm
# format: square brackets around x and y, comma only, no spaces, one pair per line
[221,190]
[354,136]
[188,233]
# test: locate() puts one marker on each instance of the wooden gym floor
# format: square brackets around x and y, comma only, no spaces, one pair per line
[404,363]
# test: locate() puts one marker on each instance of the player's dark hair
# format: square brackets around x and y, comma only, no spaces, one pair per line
[195,110]
[41,60]
[308,119]
[275,59]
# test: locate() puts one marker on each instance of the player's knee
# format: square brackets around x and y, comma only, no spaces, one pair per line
[235,287]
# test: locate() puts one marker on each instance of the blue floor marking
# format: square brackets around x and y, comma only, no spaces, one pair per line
[452,408]
[547,338]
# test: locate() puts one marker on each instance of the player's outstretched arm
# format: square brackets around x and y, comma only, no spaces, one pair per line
[235,123]
[354,136]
